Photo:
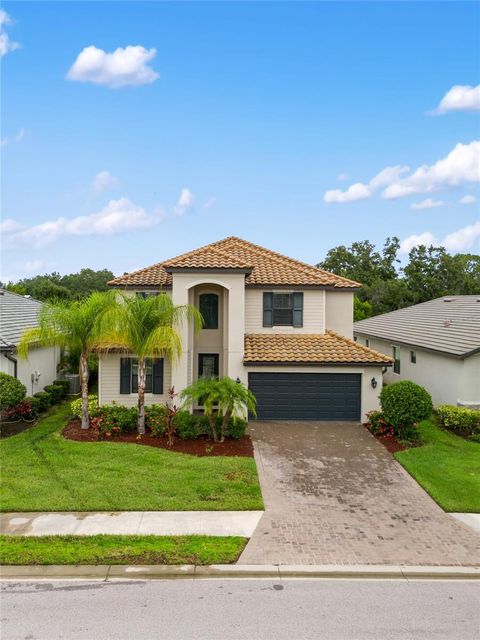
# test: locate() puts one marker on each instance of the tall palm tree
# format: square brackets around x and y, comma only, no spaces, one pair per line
[222,396]
[147,327]
[75,326]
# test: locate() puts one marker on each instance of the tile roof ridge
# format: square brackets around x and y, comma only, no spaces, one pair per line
[293,261]
[209,247]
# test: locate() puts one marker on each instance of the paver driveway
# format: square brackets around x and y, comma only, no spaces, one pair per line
[334,495]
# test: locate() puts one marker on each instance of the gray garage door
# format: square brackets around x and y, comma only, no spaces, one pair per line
[306,396]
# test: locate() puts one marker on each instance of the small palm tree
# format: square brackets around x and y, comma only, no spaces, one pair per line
[74,326]
[231,399]
[148,328]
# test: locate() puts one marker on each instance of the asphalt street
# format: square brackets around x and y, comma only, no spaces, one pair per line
[240,609]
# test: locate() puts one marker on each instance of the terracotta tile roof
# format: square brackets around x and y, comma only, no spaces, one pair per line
[268,267]
[298,348]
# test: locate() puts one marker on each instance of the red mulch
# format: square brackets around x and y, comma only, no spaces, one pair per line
[200,447]
[390,443]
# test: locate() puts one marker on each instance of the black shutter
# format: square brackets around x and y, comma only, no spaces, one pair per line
[298,309]
[158,376]
[267,309]
[125,374]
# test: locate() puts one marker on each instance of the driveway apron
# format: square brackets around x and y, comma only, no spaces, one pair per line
[334,495]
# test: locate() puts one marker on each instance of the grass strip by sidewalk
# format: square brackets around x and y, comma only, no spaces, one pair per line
[446,466]
[42,471]
[105,549]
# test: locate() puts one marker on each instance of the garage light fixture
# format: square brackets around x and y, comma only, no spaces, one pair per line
[374,383]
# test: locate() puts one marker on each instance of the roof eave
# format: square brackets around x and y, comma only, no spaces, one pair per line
[299,363]
[440,352]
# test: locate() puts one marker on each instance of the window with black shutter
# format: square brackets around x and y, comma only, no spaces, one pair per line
[283,309]
[129,375]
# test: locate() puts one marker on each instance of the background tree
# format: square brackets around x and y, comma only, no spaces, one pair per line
[148,328]
[74,326]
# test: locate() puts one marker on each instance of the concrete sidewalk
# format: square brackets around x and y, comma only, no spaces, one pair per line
[160,523]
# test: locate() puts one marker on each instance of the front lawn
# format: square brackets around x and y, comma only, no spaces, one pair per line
[199,550]
[447,467]
[42,471]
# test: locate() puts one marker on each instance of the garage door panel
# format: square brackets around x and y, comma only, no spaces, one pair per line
[307,396]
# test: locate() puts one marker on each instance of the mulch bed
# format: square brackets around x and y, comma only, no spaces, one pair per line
[199,447]
[8,429]
[390,443]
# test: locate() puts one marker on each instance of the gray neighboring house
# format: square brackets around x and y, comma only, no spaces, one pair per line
[436,344]
[18,313]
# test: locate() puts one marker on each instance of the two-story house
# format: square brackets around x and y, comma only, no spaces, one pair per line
[281,326]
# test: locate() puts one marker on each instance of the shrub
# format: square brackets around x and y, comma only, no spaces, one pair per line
[155,418]
[24,410]
[114,419]
[405,403]
[76,405]
[378,424]
[64,385]
[459,418]
[12,391]
[54,391]
[44,399]
[189,426]
[236,428]
[34,406]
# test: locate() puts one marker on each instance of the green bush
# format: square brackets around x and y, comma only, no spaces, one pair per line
[405,403]
[76,405]
[155,418]
[64,385]
[114,419]
[459,418]
[12,391]
[237,427]
[55,392]
[189,426]
[44,399]
[378,424]
[35,405]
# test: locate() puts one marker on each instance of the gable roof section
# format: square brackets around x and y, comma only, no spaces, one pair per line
[449,325]
[311,349]
[267,267]
[17,314]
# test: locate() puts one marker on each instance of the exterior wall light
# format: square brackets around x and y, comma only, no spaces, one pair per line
[374,383]
[238,381]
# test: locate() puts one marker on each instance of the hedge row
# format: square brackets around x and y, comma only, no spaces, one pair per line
[29,408]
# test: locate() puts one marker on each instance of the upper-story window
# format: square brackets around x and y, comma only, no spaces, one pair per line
[283,309]
[208,305]
[396,359]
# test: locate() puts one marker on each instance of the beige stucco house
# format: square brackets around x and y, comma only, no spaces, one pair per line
[283,327]
[17,314]
[436,344]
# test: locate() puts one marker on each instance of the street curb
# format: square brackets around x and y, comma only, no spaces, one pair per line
[162,572]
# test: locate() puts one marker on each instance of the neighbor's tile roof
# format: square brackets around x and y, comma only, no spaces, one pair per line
[450,325]
[267,267]
[327,348]
[17,313]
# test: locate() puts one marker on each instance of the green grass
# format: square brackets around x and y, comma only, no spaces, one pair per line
[198,550]
[42,471]
[447,467]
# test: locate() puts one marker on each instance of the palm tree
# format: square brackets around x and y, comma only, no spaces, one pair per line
[230,398]
[75,326]
[148,328]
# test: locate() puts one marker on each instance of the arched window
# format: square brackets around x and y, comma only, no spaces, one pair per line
[208,303]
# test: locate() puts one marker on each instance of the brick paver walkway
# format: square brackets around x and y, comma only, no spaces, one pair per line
[334,495]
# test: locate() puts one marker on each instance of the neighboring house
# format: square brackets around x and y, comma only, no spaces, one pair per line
[18,313]
[435,343]
[281,326]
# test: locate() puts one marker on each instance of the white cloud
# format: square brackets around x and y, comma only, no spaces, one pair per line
[185,201]
[209,203]
[9,226]
[461,165]
[468,199]
[342,177]
[104,180]
[18,137]
[122,68]
[461,97]
[117,216]
[6,45]
[461,240]
[427,204]
[357,191]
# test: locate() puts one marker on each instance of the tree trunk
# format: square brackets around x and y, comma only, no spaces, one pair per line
[226,419]
[142,378]
[213,426]
[84,387]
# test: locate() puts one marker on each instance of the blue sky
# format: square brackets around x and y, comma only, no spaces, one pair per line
[248,119]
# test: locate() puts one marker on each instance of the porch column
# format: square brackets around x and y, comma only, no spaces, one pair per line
[236,330]
[180,368]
